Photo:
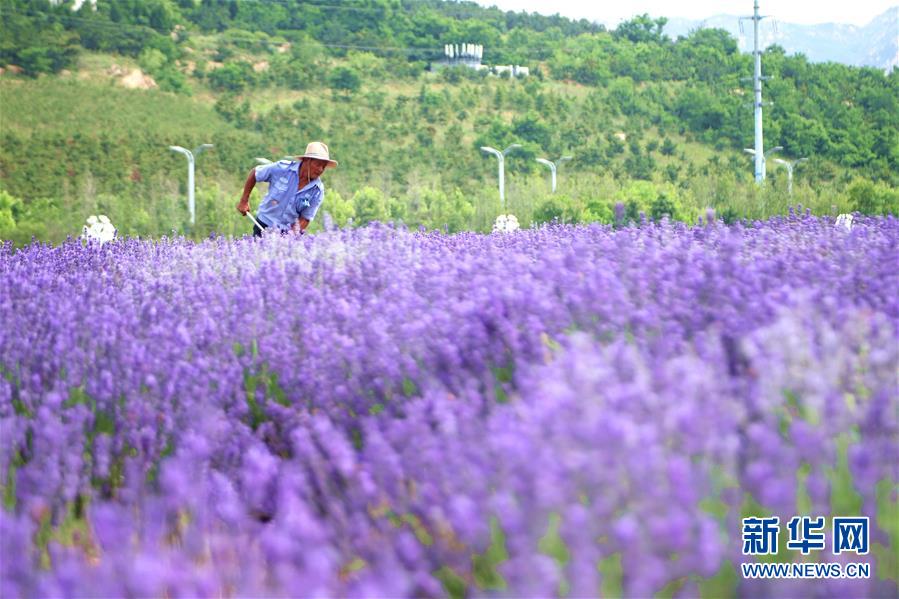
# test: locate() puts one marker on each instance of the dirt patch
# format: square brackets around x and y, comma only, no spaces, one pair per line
[260,66]
[136,79]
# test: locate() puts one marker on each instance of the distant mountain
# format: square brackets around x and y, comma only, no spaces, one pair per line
[874,45]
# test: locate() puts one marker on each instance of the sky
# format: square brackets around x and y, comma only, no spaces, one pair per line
[856,12]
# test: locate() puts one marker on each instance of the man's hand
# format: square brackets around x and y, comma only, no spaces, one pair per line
[299,226]
[243,206]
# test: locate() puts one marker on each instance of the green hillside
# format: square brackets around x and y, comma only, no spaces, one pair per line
[655,124]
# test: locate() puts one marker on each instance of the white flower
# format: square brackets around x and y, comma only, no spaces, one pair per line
[505,223]
[98,228]
[845,221]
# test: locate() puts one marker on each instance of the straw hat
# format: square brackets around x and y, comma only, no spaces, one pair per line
[319,151]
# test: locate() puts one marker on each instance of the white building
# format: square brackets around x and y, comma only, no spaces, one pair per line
[470,55]
[78,3]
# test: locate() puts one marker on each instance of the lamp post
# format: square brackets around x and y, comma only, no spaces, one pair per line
[760,161]
[191,203]
[501,157]
[553,166]
[790,166]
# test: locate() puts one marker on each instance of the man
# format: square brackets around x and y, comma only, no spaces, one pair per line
[295,190]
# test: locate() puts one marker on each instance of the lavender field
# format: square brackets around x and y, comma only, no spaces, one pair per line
[564,411]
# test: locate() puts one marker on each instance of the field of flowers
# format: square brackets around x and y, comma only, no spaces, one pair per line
[375,412]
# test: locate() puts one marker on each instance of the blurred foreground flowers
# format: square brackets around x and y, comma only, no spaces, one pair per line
[374,412]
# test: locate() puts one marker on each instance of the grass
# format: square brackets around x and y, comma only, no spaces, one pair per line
[91,107]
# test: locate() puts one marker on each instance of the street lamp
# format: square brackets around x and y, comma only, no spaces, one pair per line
[501,156]
[191,204]
[760,168]
[553,167]
[790,166]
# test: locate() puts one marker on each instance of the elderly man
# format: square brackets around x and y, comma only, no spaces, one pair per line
[295,190]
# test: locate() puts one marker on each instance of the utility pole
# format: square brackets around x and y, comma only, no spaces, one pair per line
[501,157]
[757,90]
[191,203]
[764,157]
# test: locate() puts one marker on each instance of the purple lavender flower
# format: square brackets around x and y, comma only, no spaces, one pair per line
[382,412]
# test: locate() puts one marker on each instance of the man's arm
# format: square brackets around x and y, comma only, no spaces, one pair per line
[243,206]
[300,225]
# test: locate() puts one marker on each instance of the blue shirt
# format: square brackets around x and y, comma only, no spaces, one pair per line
[284,204]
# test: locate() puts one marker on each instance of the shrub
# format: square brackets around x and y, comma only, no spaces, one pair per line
[663,206]
[548,211]
[370,204]
[870,198]
[345,79]
[234,76]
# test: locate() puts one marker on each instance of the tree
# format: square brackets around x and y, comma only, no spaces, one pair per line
[341,210]
[870,198]
[370,204]
[663,206]
[453,211]
[668,147]
[531,127]
[642,28]
[233,76]
[549,210]
[345,79]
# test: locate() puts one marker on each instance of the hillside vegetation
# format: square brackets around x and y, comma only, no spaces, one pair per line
[655,124]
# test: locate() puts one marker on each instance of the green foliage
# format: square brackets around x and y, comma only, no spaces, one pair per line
[234,111]
[342,211]
[11,209]
[656,124]
[870,198]
[370,204]
[642,28]
[532,128]
[452,211]
[152,59]
[662,206]
[232,76]
[549,210]
[40,218]
[34,39]
[345,79]
[598,210]
[170,79]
